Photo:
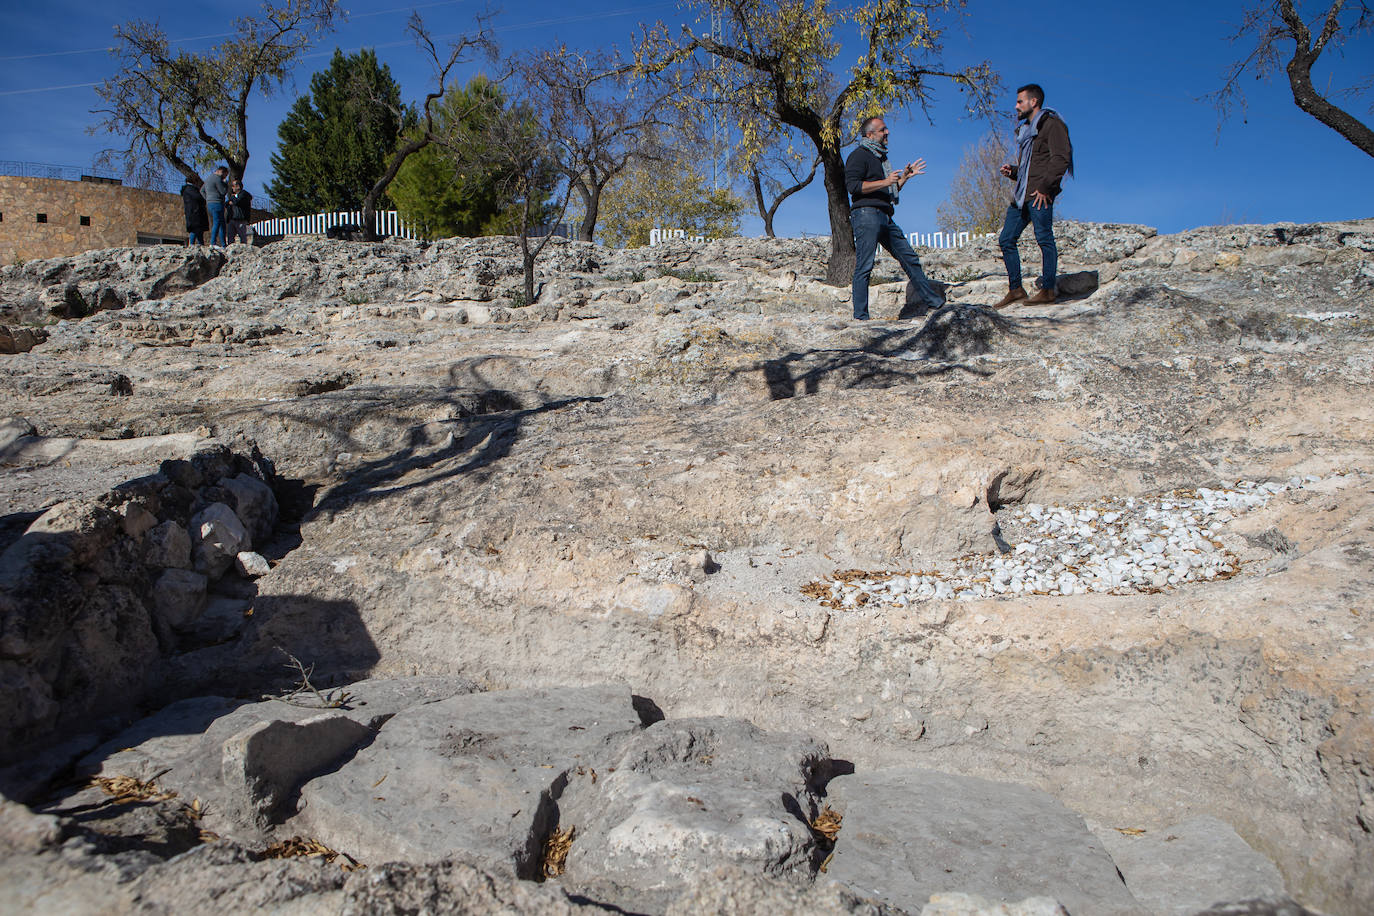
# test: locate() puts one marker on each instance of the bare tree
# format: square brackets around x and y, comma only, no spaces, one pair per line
[778,174]
[978,195]
[426,132]
[597,111]
[518,147]
[187,109]
[1273,24]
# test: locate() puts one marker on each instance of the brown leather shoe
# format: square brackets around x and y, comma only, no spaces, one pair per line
[1041,297]
[1015,294]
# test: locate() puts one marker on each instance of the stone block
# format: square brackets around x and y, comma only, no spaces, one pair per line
[179,597]
[168,545]
[1191,866]
[910,833]
[689,795]
[217,536]
[474,776]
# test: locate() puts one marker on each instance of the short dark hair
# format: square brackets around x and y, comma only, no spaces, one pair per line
[868,122]
[1034,91]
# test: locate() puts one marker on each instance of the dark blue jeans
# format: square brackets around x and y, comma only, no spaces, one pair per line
[873,227]
[217,236]
[1042,218]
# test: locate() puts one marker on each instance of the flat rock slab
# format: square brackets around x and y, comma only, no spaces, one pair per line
[1191,866]
[908,834]
[689,795]
[476,777]
[244,760]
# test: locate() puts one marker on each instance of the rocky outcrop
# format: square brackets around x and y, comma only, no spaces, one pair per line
[95,594]
[591,793]
[1114,550]
[95,281]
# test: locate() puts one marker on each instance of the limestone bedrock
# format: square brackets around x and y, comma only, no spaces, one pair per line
[655,474]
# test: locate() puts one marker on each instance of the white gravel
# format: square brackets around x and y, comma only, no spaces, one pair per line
[1113,546]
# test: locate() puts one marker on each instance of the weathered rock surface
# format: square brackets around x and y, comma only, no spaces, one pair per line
[909,833]
[639,478]
[478,775]
[1191,866]
[689,794]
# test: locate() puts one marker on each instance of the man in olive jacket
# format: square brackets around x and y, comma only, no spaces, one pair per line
[1043,156]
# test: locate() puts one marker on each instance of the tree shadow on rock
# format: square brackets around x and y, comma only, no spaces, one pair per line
[474,442]
[947,341]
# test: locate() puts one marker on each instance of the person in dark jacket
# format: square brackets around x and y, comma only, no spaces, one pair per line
[238,210]
[1043,156]
[197,219]
[873,186]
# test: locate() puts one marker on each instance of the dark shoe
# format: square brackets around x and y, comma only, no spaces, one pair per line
[1042,297]
[1015,294]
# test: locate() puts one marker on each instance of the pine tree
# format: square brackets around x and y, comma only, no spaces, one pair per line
[334,142]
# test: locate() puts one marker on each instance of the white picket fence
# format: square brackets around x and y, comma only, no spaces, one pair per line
[389,223]
[946,239]
[917,239]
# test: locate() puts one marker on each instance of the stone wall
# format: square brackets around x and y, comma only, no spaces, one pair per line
[117,216]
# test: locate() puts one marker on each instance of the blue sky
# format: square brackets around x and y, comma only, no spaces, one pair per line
[1127,77]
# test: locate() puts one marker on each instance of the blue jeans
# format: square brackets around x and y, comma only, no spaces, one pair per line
[873,227]
[217,236]
[1042,218]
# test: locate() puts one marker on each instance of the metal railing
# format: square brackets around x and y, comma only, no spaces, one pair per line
[389,223]
[19,169]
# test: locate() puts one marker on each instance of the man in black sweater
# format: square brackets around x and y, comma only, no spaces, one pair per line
[873,188]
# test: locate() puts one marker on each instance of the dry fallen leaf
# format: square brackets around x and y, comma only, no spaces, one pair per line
[556,853]
[827,823]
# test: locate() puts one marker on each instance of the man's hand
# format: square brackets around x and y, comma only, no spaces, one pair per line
[1008,170]
[912,169]
[895,177]
[1039,200]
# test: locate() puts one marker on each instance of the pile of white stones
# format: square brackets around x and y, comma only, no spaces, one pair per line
[1114,546]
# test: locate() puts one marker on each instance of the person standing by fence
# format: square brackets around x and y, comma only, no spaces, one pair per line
[238,209]
[215,189]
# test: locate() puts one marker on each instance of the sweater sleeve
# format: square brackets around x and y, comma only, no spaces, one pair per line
[856,169]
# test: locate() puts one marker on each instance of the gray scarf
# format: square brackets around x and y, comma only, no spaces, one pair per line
[1025,137]
[880,150]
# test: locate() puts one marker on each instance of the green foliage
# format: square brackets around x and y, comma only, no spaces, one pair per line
[456,186]
[667,193]
[335,141]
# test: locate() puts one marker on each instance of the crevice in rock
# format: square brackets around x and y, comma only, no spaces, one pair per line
[529,862]
[647,710]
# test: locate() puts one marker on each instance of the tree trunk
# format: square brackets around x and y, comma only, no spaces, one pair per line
[839,271]
[1312,102]
[764,212]
[591,209]
[370,201]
